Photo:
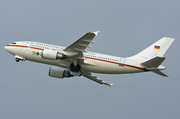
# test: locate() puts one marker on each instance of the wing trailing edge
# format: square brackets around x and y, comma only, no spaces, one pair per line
[96,79]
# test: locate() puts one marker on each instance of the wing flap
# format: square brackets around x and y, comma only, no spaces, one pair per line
[94,78]
[79,49]
[84,45]
[89,41]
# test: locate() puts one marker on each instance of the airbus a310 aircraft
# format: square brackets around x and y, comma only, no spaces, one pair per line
[76,61]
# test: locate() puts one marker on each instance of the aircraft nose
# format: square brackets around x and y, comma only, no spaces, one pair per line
[7,48]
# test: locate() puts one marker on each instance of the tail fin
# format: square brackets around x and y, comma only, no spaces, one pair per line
[152,56]
[159,48]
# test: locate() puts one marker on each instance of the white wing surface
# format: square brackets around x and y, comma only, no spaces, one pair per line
[77,48]
[81,44]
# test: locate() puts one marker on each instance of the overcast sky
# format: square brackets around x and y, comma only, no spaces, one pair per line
[126,28]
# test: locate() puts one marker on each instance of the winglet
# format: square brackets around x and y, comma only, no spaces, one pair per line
[111,84]
[96,33]
[105,83]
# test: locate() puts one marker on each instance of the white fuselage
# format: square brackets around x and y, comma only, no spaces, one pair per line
[94,62]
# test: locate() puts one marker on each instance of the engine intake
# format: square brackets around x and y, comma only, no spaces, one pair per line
[58,73]
[52,54]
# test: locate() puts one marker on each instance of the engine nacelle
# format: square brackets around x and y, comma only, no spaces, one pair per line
[52,54]
[58,73]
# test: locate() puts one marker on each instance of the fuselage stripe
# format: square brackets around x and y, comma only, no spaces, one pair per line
[117,63]
[24,47]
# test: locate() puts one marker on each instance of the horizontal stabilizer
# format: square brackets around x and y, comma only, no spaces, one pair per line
[159,72]
[154,62]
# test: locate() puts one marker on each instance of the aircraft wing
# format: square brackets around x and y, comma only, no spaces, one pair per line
[79,46]
[76,50]
[94,78]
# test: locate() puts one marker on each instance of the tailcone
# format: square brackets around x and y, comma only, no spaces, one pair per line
[161,68]
[156,68]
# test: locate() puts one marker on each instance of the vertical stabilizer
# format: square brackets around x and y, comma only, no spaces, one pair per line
[159,48]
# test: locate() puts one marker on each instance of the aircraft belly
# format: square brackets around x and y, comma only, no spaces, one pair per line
[131,70]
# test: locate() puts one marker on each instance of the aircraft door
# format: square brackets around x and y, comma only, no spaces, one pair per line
[122,62]
[26,44]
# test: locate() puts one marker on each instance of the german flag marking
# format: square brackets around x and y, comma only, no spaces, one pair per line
[156,47]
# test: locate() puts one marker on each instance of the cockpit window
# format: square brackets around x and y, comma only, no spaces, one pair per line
[13,43]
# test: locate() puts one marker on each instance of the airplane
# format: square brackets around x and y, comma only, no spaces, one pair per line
[77,61]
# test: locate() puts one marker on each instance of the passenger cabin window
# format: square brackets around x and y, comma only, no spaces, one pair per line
[14,43]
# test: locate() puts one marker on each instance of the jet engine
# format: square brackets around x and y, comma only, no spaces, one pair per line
[52,54]
[59,73]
